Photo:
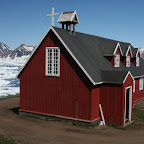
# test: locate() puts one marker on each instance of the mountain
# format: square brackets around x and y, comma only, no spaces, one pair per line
[4,50]
[142,52]
[22,50]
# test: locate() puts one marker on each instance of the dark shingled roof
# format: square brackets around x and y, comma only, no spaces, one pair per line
[89,50]
[124,47]
[114,76]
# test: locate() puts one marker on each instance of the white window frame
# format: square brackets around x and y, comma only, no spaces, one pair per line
[53,68]
[141,84]
[137,61]
[130,104]
[117,60]
[127,61]
[133,85]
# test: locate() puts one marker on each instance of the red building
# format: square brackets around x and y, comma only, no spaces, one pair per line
[70,73]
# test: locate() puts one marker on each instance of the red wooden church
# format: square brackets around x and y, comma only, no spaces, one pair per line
[70,73]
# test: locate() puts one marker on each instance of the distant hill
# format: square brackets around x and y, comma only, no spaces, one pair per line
[22,50]
[4,50]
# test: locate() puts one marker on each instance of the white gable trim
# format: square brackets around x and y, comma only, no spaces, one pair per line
[139,76]
[76,16]
[33,53]
[74,13]
[118,45]
[59,17]
[73,16]
[129,48]
[75,58]
[127,76]
[51,28]
[137,52]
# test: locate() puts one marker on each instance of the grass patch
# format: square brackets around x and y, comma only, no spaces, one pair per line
[115,126]
[33,116]
[82,124]
[131,125]
[138,114]
[4,140]
[3,98]
[55,119]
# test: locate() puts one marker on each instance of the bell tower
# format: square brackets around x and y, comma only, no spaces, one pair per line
[69,20]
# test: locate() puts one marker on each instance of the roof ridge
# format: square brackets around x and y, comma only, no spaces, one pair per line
[96,36]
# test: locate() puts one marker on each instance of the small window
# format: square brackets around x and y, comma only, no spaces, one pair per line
[128,61]
[133,85]
[137,61]
[141,84]
[52,61]
[117,61]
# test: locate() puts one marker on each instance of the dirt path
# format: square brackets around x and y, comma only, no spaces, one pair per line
[33,131]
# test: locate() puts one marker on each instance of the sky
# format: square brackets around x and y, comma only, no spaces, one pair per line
[25,21]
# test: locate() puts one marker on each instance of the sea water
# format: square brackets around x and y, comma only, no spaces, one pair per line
[9,68]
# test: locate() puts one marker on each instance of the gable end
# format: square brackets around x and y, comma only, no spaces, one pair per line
[129,49]
[51,28]
[118,46]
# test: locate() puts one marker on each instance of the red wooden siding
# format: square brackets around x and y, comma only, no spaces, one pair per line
[138,94]
[53,95]
[111,101]
[71,95]
[95,95]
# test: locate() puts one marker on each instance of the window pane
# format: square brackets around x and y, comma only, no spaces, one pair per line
[117,60]
[52,61]
[128,61]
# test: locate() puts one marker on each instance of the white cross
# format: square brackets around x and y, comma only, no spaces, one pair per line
[52,15]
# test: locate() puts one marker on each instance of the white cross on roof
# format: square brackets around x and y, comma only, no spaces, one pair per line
[52,15]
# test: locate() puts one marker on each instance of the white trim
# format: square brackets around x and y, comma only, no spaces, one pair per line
[130,104]
[51,28]
[139,76]
[33,52]
[137,52]
[73,16]
[116,59]
[74,58]
[128,61]
[140,84]
[118,45]
[137,61]
[74,13]
[59,17]
[129,47]
[127,76]
[96,83]
[77,17]
[46,64]
[101,112]
[133,85]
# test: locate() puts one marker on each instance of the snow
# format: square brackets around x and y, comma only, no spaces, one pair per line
[141,49]
[141,52]
[28,48]
[4,47]
[1,51]
[9,68]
